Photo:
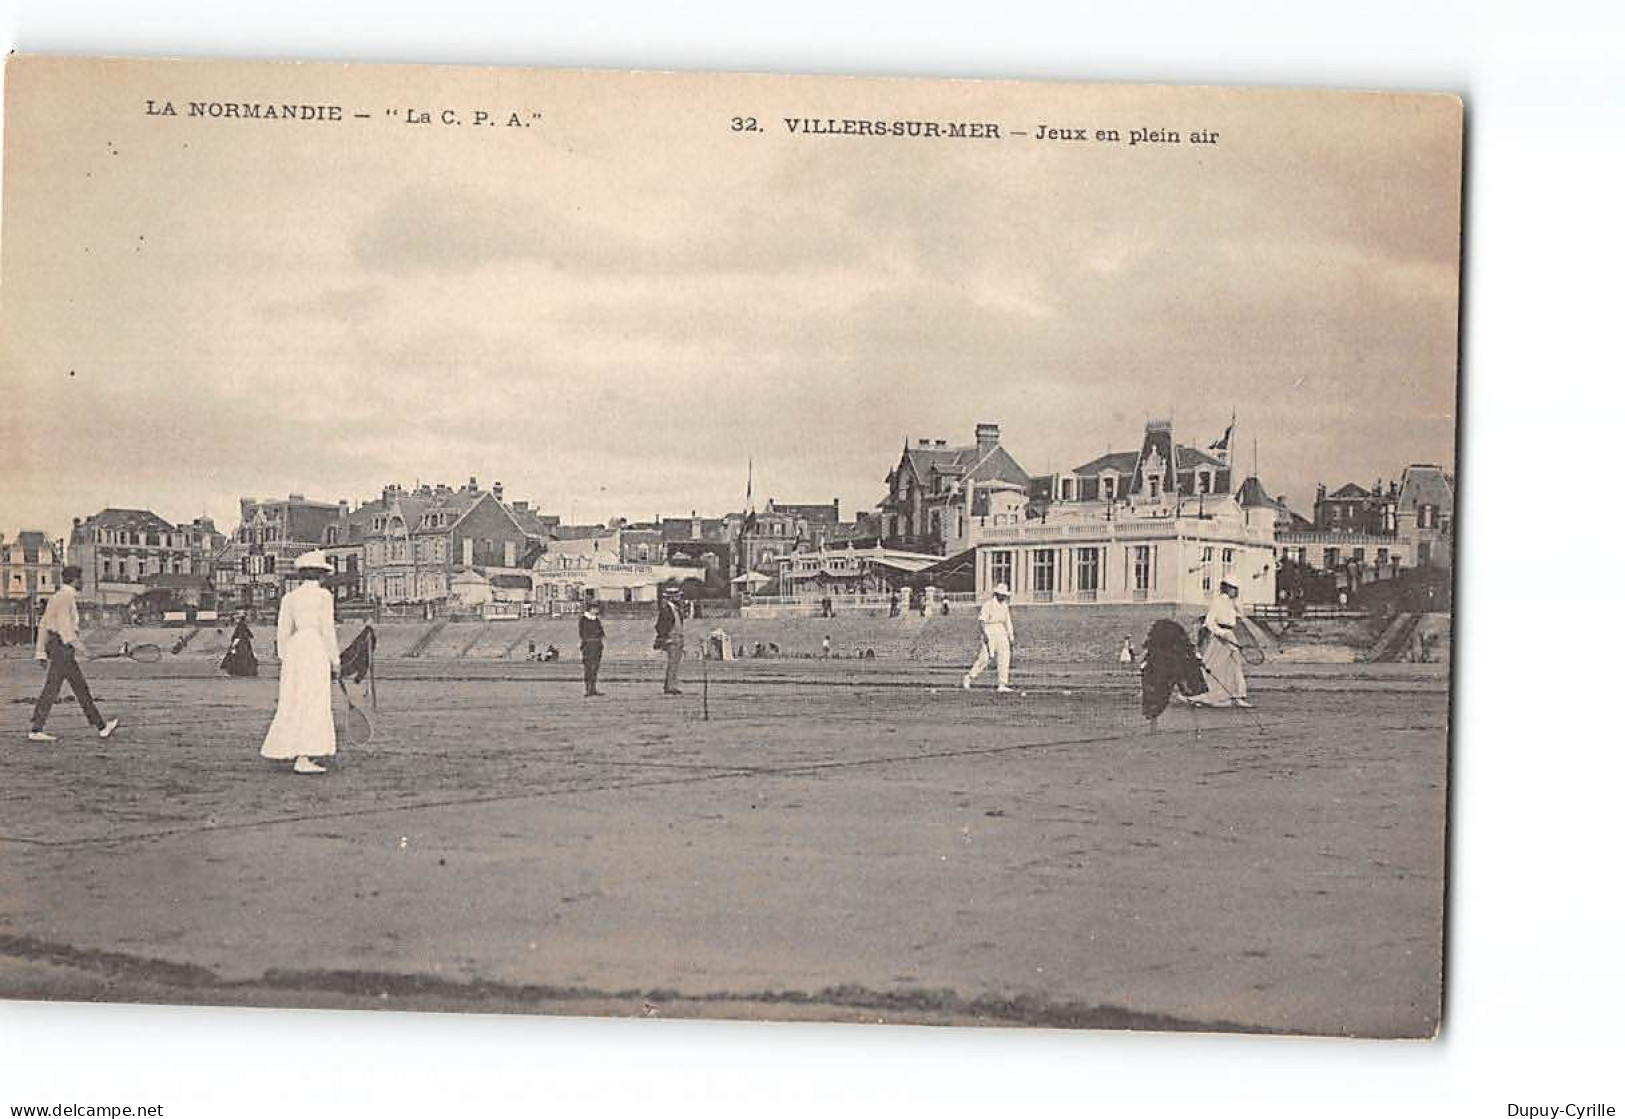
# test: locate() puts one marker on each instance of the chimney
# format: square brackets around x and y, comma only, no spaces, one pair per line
[473,484]
[987,437]
[496,491]
[296,497]
[837,504]
[344,507]
[693,524]
[925,442]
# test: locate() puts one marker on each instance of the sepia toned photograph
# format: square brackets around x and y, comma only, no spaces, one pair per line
[754,547]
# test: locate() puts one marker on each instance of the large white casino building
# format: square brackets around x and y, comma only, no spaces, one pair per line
[1164,524]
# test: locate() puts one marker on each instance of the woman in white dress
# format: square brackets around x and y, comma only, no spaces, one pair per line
[1221,653]
[308,647]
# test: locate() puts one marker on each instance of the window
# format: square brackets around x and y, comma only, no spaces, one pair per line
[1108,487]
[1144,572]
[1153,487]
[1069,489]
[1382,557]
[1044,571]
[1329,558]
[1424,554]
[1204,482]
[1229,560]
[1358,555]
[1427,516]
[1000,567]
[1089,572]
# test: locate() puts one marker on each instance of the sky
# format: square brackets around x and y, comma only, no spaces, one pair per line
[617,308]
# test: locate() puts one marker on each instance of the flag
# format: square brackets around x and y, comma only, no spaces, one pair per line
[1222,443]
[750,503]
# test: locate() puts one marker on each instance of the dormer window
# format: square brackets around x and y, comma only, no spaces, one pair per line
[1108,487]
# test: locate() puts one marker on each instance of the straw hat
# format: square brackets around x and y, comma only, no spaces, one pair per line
[313,560]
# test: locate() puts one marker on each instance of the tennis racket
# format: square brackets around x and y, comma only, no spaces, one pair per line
[357,725]
[145,653]
[1251,651]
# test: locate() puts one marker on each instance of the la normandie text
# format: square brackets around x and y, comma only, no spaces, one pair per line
[247,110]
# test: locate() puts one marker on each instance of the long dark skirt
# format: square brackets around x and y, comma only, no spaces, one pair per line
[1170,662]
[240,659]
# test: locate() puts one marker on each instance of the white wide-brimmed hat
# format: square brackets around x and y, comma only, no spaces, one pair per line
[313,560]
[1002,588]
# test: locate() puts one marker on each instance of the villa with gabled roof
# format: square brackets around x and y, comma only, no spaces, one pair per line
[936,491]
[1163,524]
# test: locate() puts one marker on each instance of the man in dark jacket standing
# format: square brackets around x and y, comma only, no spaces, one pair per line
[669,635]
[591,630]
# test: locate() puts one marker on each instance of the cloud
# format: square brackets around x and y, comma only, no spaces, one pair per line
[645,317]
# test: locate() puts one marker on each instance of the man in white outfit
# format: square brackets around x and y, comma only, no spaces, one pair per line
[998,638]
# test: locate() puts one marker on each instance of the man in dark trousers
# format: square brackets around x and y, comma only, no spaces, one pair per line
[58,643]
[592,645]
[669,635]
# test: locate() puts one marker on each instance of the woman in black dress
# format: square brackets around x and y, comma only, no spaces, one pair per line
[240,659]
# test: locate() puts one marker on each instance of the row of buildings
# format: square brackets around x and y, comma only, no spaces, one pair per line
[1163,523]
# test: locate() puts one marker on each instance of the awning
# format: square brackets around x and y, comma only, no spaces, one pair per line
[956,569]
[901,564]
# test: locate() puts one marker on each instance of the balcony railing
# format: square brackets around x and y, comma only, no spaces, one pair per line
[1104,531]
